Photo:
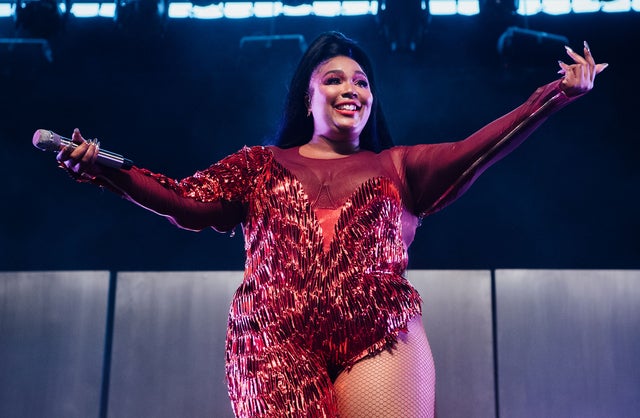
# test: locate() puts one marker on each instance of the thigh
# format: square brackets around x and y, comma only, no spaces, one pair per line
[398,383]
[280,381]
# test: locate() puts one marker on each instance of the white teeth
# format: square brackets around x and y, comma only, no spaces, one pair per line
[351,107]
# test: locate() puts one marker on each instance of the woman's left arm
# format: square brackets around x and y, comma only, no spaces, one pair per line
[437,174]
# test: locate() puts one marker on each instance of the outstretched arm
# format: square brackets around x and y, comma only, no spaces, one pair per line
[437,174]
[214,197]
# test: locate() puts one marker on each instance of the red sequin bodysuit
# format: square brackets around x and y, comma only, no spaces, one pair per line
[326,246]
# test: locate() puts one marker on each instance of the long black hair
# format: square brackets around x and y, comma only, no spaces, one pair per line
[296,127]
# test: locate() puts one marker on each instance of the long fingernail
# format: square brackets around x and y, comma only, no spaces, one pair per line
[586,46]
[568,48]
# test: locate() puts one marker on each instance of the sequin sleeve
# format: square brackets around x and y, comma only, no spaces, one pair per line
[215,197]
[437,174]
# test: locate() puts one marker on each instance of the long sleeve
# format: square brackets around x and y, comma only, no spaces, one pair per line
[437,174]
[216,197]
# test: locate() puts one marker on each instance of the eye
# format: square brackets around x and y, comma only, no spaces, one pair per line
[333,80]
[362,83]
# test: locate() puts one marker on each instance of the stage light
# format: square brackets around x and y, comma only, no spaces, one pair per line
[442,7]
[585,6]
[616,6]
[403,23]
[562,7]
[179,10]
[296,9]
[85,9]
[327,8]
[239,10]
[39,18]
[213,11]
[6,9]
[267,9]
[468,7]
[529,7]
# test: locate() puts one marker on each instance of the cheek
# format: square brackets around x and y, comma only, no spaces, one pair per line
[369,104]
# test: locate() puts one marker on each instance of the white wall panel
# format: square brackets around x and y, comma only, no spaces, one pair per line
[52,330]
[568,343]
[168,344]
[458,319]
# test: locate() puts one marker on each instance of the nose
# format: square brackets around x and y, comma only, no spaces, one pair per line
[350,92]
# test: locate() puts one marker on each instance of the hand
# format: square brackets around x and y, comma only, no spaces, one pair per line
[80,161]
[578,78]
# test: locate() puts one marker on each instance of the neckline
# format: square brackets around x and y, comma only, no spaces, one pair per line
[344,157]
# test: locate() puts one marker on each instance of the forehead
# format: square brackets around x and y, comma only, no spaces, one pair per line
[338,63]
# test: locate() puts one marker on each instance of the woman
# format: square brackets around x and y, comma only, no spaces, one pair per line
[324,324]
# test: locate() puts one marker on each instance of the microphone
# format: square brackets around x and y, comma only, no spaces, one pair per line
[46,140]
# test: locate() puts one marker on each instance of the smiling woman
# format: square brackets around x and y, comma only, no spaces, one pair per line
[324,323]
[339,99]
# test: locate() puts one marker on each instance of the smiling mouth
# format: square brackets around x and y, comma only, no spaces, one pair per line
[349,107]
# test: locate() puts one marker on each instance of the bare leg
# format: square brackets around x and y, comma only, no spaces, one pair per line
[396,384]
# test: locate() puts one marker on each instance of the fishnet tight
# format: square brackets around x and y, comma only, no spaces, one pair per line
[396,384]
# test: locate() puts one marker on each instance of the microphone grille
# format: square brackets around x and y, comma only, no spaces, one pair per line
[46,140]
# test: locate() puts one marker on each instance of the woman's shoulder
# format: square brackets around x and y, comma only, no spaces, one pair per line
[249,154]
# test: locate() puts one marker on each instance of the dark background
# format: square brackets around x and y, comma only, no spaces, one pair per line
[567,198]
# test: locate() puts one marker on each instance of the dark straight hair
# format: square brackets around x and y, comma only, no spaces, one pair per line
[296,128]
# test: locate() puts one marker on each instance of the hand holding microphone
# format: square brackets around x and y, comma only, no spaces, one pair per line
[80,157]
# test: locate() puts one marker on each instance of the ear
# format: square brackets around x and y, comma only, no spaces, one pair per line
[307,103]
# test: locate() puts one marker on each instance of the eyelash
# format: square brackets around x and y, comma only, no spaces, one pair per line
[336,80]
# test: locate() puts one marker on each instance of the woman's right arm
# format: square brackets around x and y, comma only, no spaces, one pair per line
[215,197]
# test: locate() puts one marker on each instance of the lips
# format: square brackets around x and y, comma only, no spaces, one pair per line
[349,107]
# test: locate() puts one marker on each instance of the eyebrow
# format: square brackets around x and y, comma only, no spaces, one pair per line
[342,72]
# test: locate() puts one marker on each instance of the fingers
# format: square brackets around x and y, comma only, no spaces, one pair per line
[578,78]
[81,155]
[587,55]
[587,60]
[564,68]
[77,136]
[575,56]
[600,67]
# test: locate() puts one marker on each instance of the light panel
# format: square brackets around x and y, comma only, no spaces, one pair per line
[358,8]
[529,7]
[6,9]
[85,9]
[585,6]
[556,7]
[302,10]
[468,7]
[107,10]
[327,8]
[179,10]
[265,9]
[213,11]
[616,6]
[443,7]
[238,10]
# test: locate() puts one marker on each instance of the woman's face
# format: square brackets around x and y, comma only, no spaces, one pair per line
[340,99]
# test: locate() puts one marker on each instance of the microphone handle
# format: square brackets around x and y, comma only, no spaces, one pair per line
[105,158]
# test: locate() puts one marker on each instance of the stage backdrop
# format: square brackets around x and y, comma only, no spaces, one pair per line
[510,343]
